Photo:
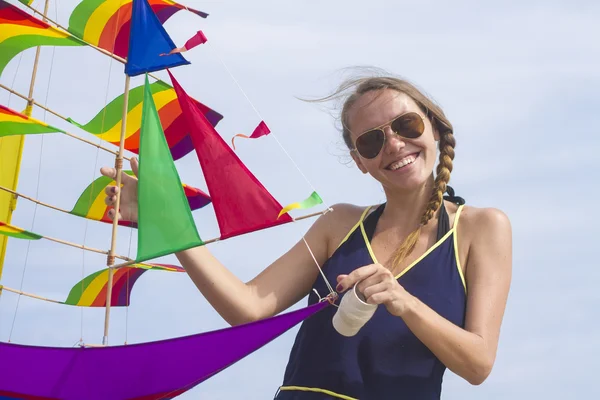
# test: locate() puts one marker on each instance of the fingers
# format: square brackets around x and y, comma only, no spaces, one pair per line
[110,200]
[355,276]
[372,280]
[111,214]
[377,293]
[110,190]
[109,172]
[135,165]
[112,173]
[126,178]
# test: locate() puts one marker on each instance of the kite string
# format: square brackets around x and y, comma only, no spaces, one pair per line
[331,291]
[8,103]
[261,118]
[35,207]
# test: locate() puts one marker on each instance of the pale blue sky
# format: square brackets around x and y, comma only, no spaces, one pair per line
[519,81]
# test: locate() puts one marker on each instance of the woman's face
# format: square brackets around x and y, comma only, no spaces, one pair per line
[402,164]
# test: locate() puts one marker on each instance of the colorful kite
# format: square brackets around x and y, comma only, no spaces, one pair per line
[91,291]
[91,202]
[107,23]
[107,122]
[166,368]
[15,123]
[20,31]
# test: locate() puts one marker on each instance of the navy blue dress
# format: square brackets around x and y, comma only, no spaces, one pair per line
[385,360]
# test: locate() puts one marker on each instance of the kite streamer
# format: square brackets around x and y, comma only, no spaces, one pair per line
[107,23]
[91,291]
[261,130]
[313,200]
[241,203]
[13,231]
[165,222]
[196,40]
[20,31]
[107,122]
[15,123]
[147,41]
[91,203]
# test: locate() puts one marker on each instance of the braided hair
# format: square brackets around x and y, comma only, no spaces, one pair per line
[438,121]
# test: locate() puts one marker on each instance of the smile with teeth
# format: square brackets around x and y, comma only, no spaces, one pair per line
[403,162]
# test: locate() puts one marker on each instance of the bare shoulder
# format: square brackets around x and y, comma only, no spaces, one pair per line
[485,240]
[479,223]
[335,225]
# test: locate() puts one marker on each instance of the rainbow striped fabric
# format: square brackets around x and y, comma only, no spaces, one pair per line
[91,291]
[20,31]
[13,231]
[106,23]
[26,2]
[15,123]
[91,202]
[107,123]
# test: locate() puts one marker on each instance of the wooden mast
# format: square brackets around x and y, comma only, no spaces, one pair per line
[11,150]
[119,168]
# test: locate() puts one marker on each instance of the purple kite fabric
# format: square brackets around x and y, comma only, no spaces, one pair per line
[147,371]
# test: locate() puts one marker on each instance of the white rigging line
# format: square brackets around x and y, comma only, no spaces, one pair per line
[214,53]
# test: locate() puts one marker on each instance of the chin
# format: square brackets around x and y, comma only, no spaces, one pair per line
[409,178]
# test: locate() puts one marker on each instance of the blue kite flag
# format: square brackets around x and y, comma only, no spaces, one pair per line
[147,41]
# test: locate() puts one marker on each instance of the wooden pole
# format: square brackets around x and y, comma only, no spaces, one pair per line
[32,101]
[35,67]
[33,296]
[17,194]
[101,50]
[119,167]
[13,144]
[213,240]
[62,117]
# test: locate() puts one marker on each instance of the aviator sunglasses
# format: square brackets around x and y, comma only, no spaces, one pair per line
[370,143]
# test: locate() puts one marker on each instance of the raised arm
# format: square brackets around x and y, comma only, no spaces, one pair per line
[279,286]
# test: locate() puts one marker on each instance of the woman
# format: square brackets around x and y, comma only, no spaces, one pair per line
[442,289]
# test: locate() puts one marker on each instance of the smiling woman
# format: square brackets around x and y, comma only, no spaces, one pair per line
[440,290]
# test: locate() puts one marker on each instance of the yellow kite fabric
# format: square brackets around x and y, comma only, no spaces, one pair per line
[20,31]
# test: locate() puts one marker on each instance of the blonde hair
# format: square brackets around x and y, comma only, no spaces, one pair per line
[437,119]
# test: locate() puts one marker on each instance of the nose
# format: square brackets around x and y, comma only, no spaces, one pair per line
[393,142]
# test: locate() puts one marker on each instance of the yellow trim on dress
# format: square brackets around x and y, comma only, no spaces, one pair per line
[368,243]
[455,229]
[435,245]
[317,390]
[360,221]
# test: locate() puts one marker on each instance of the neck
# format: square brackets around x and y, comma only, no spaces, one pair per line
[405,208]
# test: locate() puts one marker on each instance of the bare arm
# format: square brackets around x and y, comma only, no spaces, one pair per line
[279,286]
[471,352]
[468,352]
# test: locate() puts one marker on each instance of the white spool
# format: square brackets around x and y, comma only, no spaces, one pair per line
[353,313]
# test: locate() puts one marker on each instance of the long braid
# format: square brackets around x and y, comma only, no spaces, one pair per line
[379,80]
[442,178]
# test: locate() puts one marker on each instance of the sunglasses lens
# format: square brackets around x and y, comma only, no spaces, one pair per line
[409,126]
[369,144]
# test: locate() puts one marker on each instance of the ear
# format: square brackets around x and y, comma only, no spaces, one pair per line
[434,129]
[358,161]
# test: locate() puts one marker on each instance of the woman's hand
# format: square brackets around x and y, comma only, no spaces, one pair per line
[379,286]
[129,202]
